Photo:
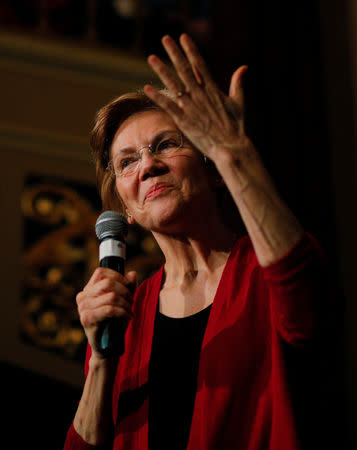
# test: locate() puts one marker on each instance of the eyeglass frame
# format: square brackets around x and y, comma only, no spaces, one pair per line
[154,152]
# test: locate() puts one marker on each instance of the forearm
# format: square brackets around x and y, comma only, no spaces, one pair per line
[271,225]
[93,420]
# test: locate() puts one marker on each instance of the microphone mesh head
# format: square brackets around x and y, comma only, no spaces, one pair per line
[111,223]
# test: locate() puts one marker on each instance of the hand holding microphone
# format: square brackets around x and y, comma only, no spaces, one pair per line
[104,305]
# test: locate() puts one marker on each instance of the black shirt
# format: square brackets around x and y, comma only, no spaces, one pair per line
[173,373]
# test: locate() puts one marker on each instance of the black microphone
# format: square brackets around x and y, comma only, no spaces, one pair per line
[111,229]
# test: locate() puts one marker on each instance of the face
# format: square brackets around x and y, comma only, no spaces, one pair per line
[165,193]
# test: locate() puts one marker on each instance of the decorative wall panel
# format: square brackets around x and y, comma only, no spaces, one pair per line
[60,252]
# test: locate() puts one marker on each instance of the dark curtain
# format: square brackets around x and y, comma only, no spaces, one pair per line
[280,42]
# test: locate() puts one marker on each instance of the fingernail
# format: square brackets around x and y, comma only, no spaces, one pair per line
[186,40]
[148,89]
[152,59]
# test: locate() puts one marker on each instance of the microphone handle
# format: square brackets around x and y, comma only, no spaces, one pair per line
[111,331]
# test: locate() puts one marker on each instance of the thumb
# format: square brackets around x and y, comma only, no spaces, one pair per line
[236,87]
[132,280]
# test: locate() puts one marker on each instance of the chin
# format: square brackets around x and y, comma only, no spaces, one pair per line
[164,218]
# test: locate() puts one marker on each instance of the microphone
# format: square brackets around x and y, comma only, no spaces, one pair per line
[111,229]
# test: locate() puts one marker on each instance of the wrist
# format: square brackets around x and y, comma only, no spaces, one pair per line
[239,153]
[98,362]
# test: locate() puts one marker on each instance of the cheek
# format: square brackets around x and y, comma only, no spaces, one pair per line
[122,192]
[195,178]
[188,167]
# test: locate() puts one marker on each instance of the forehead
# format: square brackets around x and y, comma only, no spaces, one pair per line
[139,129]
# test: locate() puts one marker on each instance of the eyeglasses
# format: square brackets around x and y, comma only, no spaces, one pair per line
[126,162]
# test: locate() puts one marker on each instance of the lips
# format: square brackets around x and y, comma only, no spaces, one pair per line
[156,190]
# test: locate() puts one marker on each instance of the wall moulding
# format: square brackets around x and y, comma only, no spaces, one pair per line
[71,61]
[33,141]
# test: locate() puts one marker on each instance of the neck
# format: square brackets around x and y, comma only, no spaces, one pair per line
[201,250]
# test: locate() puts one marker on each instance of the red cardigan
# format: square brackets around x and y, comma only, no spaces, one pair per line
[242,399]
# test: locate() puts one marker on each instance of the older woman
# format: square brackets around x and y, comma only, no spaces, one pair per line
[203,366]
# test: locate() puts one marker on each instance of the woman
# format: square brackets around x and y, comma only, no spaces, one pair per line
[203,366]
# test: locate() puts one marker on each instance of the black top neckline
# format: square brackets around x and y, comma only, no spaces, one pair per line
[191,316]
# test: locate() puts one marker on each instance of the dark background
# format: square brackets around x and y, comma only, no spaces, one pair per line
[301,114]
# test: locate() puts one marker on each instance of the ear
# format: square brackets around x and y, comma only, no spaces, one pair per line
[130,218]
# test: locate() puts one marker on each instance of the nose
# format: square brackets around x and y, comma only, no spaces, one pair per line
[150,165]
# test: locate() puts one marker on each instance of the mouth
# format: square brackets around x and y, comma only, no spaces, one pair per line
[157,190]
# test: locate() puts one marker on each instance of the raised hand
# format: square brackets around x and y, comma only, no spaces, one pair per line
[211,120]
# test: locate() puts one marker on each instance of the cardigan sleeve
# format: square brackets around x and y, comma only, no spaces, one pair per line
[75,442]
[300,291]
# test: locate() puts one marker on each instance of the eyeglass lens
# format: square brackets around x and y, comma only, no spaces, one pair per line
[127,161]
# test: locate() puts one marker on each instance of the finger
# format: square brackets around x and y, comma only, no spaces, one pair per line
[94,294]
[168,78]
[236,91]
[165,102]
[197,62]
[89,304]
[202,72]
[109,285]
[94,317]
[102,272]
[182,65]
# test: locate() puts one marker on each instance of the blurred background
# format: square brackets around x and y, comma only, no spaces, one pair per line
[60,61]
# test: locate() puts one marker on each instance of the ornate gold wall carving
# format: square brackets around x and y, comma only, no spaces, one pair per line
[60,254]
